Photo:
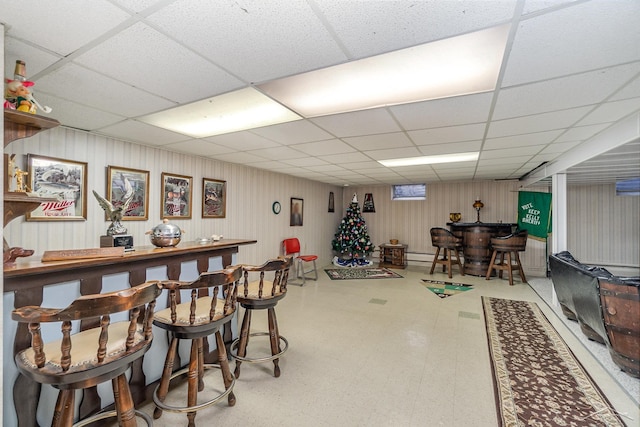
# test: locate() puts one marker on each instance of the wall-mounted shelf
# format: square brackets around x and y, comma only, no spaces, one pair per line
[18,125]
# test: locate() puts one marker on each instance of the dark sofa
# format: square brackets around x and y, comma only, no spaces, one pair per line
[607,307]
[577,288]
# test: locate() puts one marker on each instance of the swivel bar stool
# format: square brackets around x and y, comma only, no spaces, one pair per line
[102,352]
[212,304]
[262,294]
[510,246]
[451,245]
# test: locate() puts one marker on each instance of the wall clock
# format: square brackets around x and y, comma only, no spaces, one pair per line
[276,207]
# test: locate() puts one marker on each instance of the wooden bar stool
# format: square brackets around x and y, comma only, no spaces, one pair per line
[510,246]
[451,246]
[212,304]
[100,353]
[262,294]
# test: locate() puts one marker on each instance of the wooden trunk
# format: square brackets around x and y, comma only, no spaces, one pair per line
[621,309]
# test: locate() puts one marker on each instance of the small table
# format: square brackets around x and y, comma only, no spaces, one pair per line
[393,256]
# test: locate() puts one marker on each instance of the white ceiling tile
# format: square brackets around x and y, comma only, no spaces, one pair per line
[364,166]
[506,153]
[367,28]
[368,122]
[132,130]
[296,132]
[531,6]
[326,168]
[536,123]
[320,148]
[58,26]
[497,163]
[521,140]
[272,165]
[242,141]
[444,112]
[631,90]
[250,38]
[278,153]
[353,159]
[198,148]
[155,51]
[305,161]
[611,112]
[241,157]
[86,87]
[564,42]
[448,134]
[559,147]
[137,5]
[398,153]
[582,133]
[74,115]
[35,59]
[562,93]
[450,148]
[380,141]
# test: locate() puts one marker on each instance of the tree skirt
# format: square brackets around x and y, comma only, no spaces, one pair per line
[538,381]
[445,289]
[353,263]
[361,273]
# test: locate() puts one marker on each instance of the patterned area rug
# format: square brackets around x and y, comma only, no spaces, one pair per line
[445,289]
[538,381]
[361,273]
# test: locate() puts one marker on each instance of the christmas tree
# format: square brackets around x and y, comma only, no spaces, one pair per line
[352,242]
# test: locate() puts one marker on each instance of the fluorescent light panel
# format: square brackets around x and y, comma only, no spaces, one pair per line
[456,66]
[428,160]
[231,112]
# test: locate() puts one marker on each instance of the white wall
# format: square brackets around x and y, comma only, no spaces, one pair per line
[250,195]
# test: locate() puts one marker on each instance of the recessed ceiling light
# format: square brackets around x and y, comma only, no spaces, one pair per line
[427,160]
[231,112]
[460,65]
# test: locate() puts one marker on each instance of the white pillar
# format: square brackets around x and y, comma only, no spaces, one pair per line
[559,212]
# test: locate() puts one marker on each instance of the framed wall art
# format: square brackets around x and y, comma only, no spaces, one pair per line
[64,182]
[214,198]
[332,206]
[176,196]
[297,206]
[119,181]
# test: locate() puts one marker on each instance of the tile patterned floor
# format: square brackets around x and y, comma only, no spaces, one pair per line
[383,353]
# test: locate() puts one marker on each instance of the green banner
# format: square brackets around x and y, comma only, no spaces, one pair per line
[534,213]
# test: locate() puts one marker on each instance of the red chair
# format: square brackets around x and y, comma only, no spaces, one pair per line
[291,247]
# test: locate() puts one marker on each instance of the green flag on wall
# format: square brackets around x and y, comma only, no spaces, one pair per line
[534,213]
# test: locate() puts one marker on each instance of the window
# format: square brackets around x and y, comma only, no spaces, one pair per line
[629,187]
[409,192]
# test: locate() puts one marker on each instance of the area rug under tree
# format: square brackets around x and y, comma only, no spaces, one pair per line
[538,380]
[445,289]
[361,273]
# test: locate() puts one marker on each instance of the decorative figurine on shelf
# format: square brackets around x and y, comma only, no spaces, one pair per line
[21,185]
[477,205]
[17,95]
[115,213]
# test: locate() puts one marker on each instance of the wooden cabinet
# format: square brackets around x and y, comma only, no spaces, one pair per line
[393,256]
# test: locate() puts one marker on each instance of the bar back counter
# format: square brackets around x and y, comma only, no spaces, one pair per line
[56,284]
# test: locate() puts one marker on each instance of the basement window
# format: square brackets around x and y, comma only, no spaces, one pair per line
[409,192]
[629,187]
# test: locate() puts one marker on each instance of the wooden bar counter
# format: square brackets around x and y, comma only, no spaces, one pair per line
[30,280]
[476,243]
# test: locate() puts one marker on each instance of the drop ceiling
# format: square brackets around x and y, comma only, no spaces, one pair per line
[570,75]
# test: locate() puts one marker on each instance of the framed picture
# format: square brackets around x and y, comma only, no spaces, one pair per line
[118,182]
[214,198]
[368,205]
[297,208]
[332,207]
[64,182]
[176,196]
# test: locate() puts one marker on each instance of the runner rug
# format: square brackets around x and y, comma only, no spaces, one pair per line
[538,380]
[361,273]
[445,289]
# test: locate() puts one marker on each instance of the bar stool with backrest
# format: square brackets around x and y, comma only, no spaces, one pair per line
[292,247]
[510,246]
[450,245]
[103,351]
[262,294]
[212,303]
